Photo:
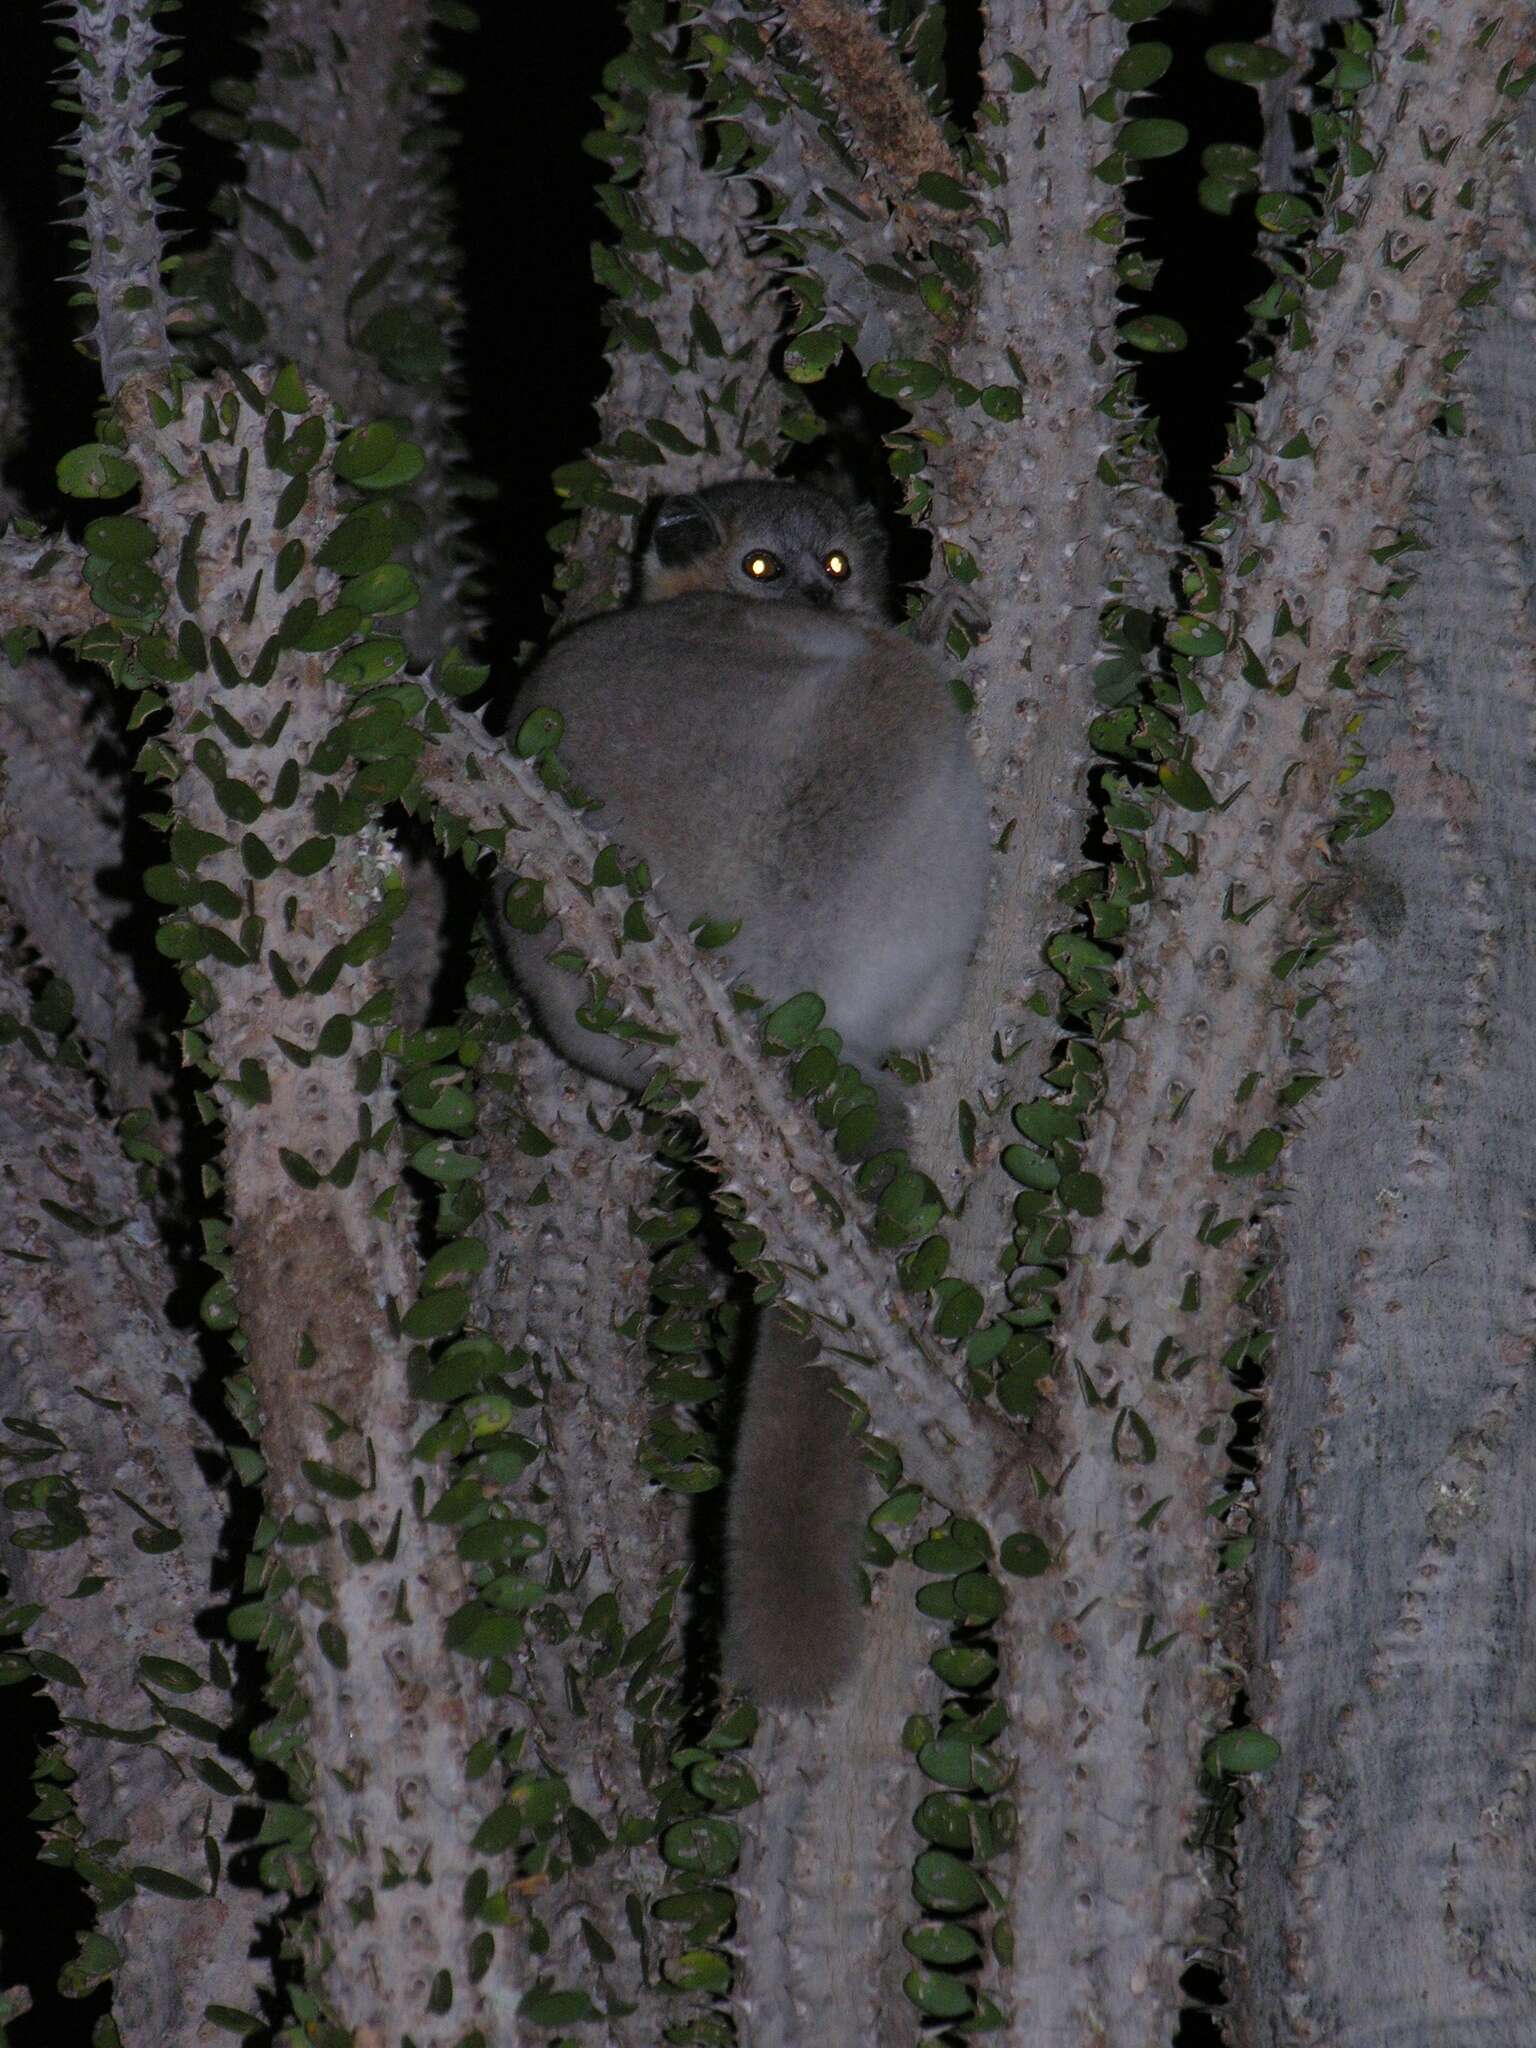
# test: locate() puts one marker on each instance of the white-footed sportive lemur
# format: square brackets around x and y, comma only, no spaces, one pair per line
[778,753]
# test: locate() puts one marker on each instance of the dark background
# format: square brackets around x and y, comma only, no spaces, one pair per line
[533,367]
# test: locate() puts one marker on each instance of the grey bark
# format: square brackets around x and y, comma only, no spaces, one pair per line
[1052,536]
[350,80]
[569,1277]
[1299,32]
[318,1264]
[103,1439]
[1387,1884]
[1213,1040]
[822,1886]
[61,825]
[118,56]
[698,366]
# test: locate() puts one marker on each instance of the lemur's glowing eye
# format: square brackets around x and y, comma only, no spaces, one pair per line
[760,566]
[837,566]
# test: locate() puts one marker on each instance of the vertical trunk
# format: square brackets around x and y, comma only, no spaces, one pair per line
[1387,1881]
[343,201]
[823,1889]
[571,1283]
[111,1558]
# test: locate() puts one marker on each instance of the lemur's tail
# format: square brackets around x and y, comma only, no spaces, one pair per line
[799,1498]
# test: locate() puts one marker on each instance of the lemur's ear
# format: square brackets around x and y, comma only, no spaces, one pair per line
[683,530]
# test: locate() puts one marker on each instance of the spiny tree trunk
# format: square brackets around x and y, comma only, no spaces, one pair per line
[1232,1108]
[1391,1616]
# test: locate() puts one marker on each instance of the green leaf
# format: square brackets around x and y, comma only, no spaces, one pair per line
[436,1101]
[364,540]
[95,471]
[166,1882]
[808,357]
[442,1161]
[1237,1750]
[326,630]
[288,393]
[699,1969]
[303,448]
[461,1255]
[523,906]
[383,591]
[125,589]
[960,563]
[298,1168]
[373,661]
[944,191]
[1152,137]
[498,1832]
[331,1480]
[792,1023]
[475,1631]
[456,1501]
[311,856]
[454,1376]
[408,342]
[1024,1555]
[120,539]
[944,1553]
[366,451]
[964,1670]
[856,1131]
[539,732]
[181,939]
[404,467]
[945,1820]
[1030,1169]
[437,1314]
[231,2019]
[549,2008]
[1186,786]
[945,1943]
[904,377]
[724,1784]
[1044,1120]
[926,1266]
[166,1672]
[938,1997]
[950,1762]
[979,1597]
[960,1309]
[1190,634]
[1140,66]
[1246,63]
[1153,334]
[946,1885]
[703,1846]
[899,1511]
[166,884]
[1261,1152]
[1284,213]
[1002,402]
